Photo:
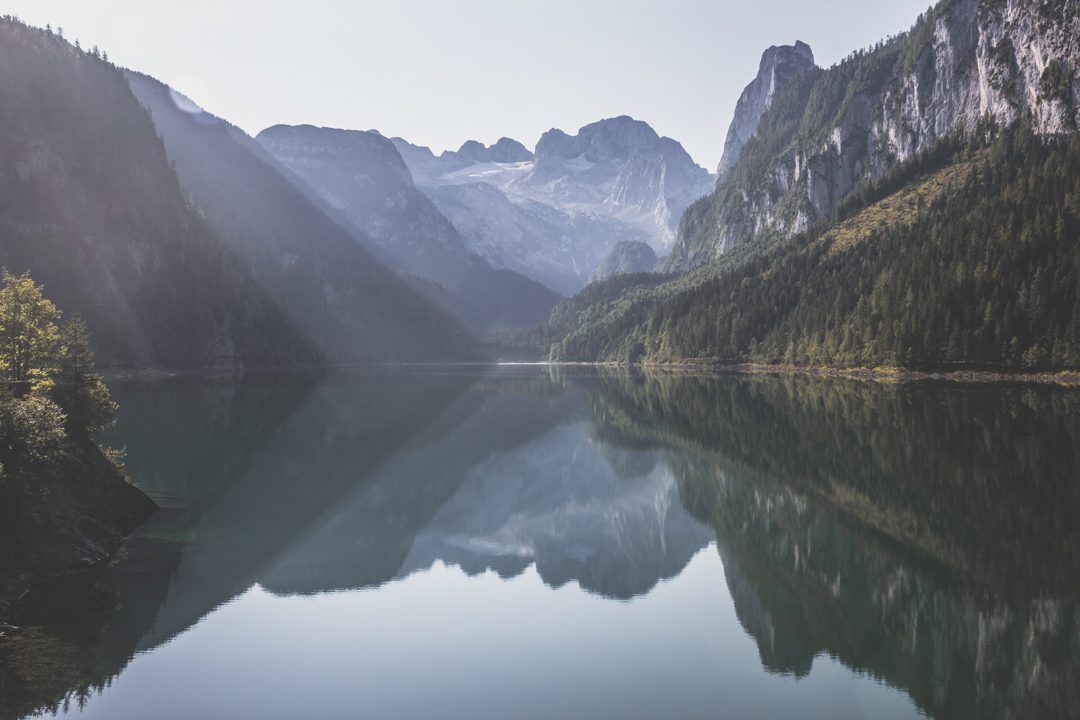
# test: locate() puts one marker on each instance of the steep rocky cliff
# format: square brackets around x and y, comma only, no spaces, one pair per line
[827,131]
[621,165]
[779,66]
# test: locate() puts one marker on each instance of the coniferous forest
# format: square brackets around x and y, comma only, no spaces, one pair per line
[976,264]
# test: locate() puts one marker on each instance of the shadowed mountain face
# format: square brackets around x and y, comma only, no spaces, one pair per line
[626,257]
[91,208]
[349,304]
[923,535]
[363,179]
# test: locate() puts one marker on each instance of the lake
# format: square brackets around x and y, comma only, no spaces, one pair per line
[534,542]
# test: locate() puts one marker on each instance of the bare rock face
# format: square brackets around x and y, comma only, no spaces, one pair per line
[555,214]
[540,241]
[506,150]
[779,66]
[426,167]
[622,168]
[963,62]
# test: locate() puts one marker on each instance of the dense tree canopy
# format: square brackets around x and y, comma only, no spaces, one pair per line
[966,257]
[29,336]
[51,392]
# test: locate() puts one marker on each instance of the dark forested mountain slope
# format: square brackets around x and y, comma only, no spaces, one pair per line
[628,256]
[351,306]
[974,261]
[827,131]
[364,179]
[90,206]
[915,205]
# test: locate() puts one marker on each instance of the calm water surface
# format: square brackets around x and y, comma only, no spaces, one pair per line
[533,543]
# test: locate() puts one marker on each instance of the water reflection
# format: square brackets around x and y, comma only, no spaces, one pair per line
[925,535]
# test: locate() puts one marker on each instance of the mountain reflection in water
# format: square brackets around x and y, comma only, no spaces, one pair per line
[926,537]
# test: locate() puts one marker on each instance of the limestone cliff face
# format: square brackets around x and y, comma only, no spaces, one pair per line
[779,66]
[623,166]
[964,61]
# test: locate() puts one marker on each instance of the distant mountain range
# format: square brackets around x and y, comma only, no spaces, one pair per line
[351,306]
[915,206]
[177,237]
[187,243]
[840,227]
[559,212]
[363,179]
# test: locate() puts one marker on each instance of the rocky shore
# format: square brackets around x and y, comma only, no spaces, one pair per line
[59,532]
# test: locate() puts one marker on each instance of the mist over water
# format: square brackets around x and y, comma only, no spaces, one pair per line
[543,543]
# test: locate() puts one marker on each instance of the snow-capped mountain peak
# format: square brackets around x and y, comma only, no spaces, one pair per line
[558,212]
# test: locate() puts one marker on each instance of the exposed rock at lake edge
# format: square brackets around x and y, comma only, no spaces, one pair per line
[61,532]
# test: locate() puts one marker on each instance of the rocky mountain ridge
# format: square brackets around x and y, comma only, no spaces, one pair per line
[779,66]
[828,131]
[425,165]
[330,282]
[566,206]
[365,181]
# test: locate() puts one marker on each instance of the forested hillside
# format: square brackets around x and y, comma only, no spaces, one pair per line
[90,206]
[915,205]
[967,255]
[827,131]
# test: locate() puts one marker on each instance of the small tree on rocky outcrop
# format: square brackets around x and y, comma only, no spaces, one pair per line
[47,365]
[77,388]
[29,334]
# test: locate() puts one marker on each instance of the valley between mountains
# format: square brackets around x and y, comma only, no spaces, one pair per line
[913,206]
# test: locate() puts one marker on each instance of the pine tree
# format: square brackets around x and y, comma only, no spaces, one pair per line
[78,389]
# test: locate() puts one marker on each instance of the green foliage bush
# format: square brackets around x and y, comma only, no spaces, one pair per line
[52,394]
[32,433]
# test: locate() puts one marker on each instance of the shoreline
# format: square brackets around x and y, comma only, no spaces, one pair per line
[1063,378]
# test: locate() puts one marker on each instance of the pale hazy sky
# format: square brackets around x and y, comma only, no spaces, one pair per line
[442,72]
